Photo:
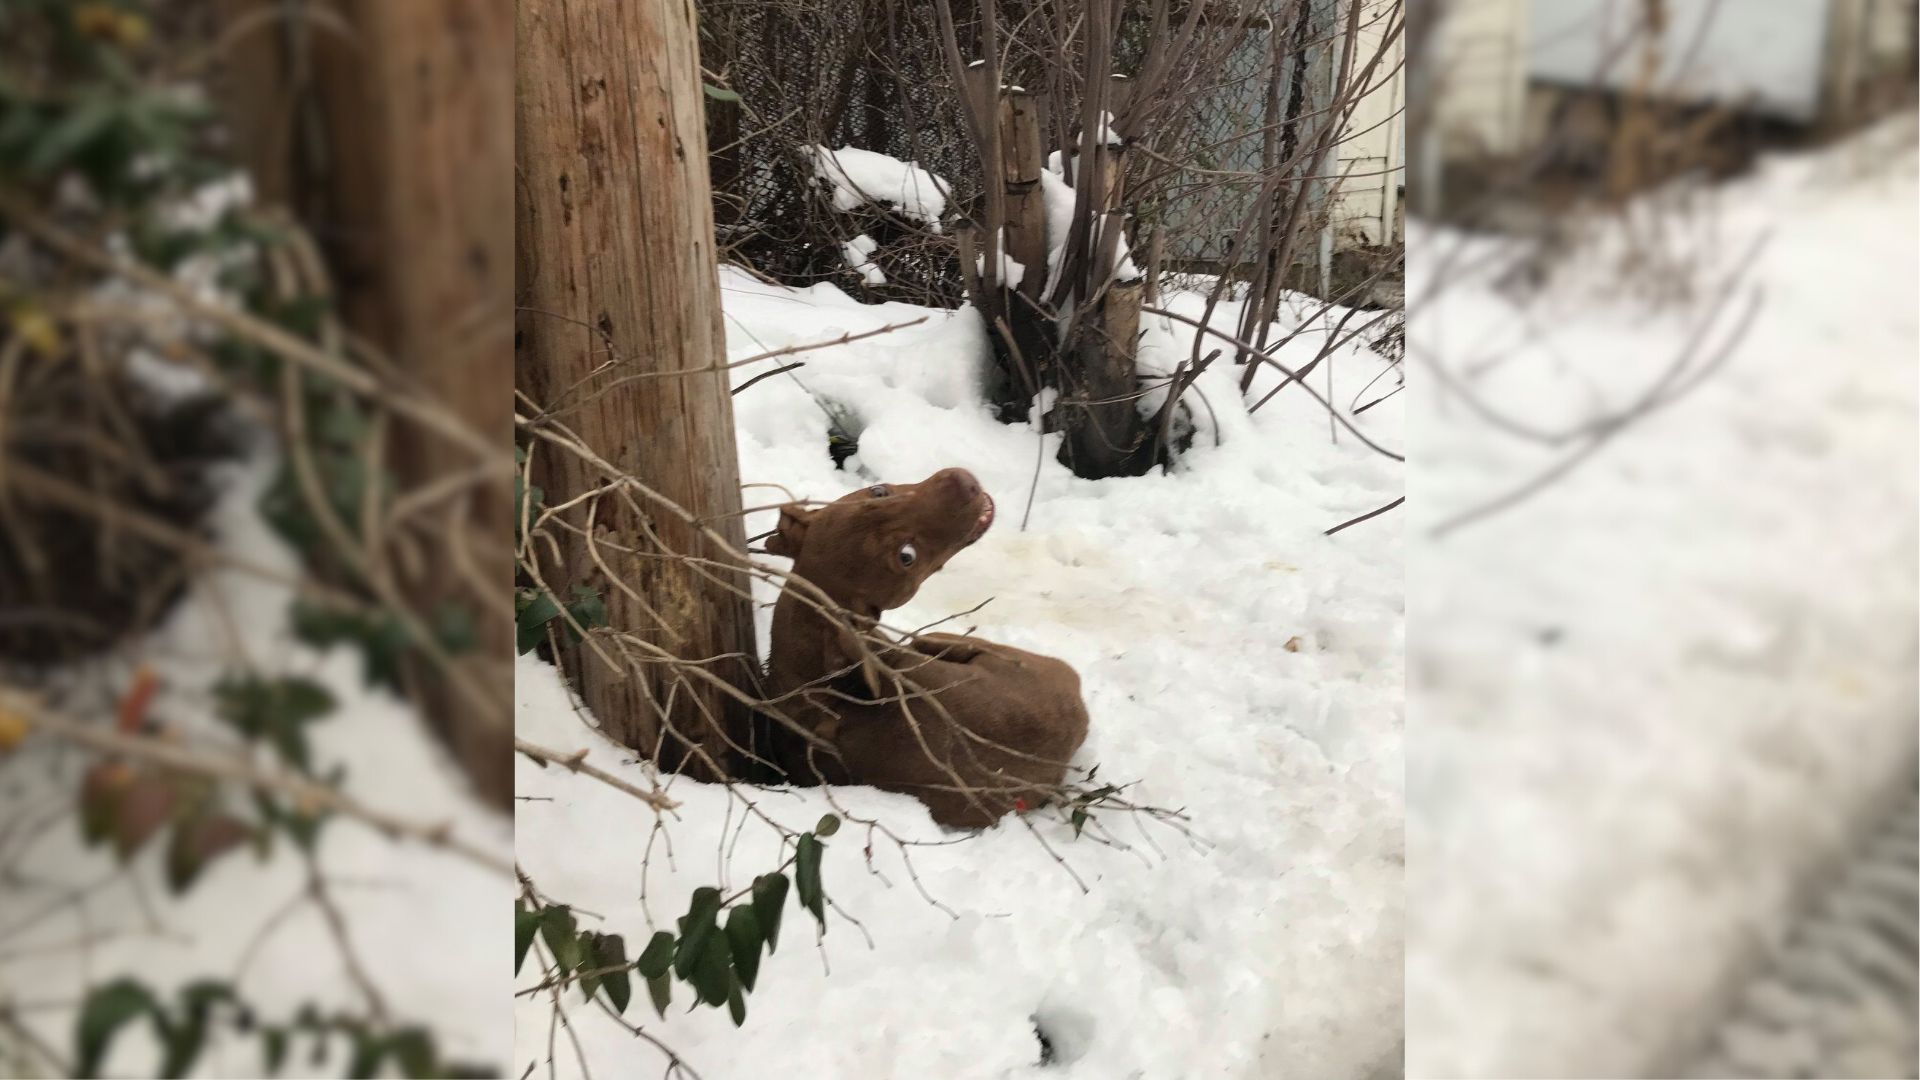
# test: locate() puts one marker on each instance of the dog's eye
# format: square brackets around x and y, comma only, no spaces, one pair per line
[908,555]
[879,491]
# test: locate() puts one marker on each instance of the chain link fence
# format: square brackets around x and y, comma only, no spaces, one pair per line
[872,74]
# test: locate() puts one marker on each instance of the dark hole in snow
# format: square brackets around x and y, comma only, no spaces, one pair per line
[1065,1034]
[1551,635]
[840,447]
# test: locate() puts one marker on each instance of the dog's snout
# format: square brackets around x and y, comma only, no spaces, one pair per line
[961,482]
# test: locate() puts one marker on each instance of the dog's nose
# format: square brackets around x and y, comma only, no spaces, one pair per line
[961,483]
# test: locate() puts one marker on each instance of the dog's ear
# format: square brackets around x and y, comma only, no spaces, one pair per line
[791,534]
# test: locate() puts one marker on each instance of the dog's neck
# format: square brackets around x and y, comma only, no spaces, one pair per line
[809,642]
[858,556]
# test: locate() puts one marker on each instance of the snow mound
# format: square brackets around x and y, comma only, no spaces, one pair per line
[859,255]
[859,177]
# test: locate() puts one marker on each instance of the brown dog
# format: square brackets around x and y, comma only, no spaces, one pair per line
[971,728]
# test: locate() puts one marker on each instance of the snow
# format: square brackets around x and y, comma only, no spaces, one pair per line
[859,177]
[1648,706]
[1012,270]
[1274,952]
[415,914]
[1058,198]
[859,255]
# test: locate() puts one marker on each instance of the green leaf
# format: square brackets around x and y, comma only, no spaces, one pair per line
[806,876]
[713,974]
[657,957]
[185,1039]
[660,988]
[587,609]
[274,1047]
[697,928]
[368,1051]
[532,617]
[62,141]
[335,419]
[588,982]
[736,1002]
[381,638]
[693,942]
[828,825]
[610,950]
[745,939]
[719,93]
[557,930]
[275,710]
[413,1049]
[1079,819]
[183,1044]
[769,897]
[705,904]
[105,1011]
[525,922]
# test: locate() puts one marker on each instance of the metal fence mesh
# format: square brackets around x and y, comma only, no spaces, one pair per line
[872,74]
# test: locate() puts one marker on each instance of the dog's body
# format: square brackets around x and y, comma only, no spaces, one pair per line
[970,727]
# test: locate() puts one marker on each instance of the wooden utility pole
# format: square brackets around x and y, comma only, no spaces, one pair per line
[384,132]
[618,293]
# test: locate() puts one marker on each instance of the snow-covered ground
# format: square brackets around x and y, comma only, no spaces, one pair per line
[429,927]
[1650,706]
[1236,662]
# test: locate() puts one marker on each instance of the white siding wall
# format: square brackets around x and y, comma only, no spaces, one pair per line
[1479,79]
[1372,161]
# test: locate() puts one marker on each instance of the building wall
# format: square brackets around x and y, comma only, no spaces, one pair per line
[1372,158]
[1479,81]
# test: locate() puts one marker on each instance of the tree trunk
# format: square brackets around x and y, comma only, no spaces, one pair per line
[1099,389]
[389,146]
[617,284]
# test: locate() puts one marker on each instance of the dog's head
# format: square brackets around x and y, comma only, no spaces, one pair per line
[870,549]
